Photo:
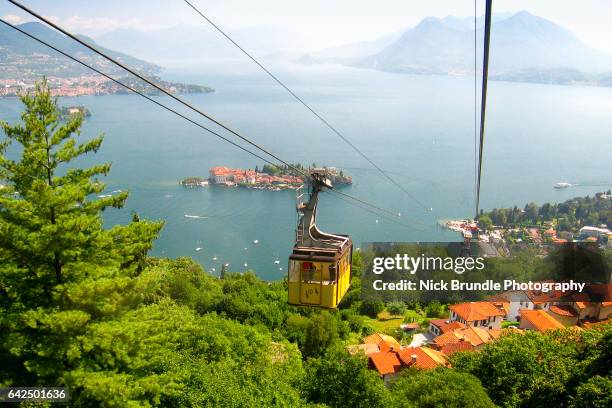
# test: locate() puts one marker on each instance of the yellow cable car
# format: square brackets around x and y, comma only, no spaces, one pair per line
[320,264]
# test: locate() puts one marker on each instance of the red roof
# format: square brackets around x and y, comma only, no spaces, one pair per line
[563,310]
[446,325]
[476,311]
[385,362]
[541,320]
[384,341]
[422,357]
[453,348]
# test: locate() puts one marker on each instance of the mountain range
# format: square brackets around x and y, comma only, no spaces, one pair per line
[524,47]
[29,55]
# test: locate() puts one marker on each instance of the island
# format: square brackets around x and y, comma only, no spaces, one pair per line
[194,182]
[66,111]
[273,178]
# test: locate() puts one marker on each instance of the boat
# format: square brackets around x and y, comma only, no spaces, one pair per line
[256,242]
[194,216]
[277,262]
[198,249]
[561,185]
[214,258]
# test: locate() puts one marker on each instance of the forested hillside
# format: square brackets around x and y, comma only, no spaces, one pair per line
[85,308]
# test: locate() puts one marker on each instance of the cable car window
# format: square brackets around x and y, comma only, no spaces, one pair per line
[331,277]
[294,271]
[310,273]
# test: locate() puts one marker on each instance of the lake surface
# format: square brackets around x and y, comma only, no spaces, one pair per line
[418,128]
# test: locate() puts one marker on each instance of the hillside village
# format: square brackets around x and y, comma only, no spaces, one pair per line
[471,325]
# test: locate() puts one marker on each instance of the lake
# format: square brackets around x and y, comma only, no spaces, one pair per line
[418,128]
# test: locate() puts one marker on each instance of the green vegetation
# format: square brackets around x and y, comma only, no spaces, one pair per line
[567,216]
[558,368]
[84,307]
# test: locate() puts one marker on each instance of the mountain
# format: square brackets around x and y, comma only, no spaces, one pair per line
[24,61]
[25,54]
[351,53]
[524,47]
[521,41]
[183,45]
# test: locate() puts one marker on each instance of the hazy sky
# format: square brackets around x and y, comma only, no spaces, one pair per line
[326,22]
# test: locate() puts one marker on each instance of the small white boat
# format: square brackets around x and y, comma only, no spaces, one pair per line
[104,196]
[256,242]
[277,262]
[194,216]
[280,269]
[198,249]
[246,264]
[561,185]
[213,269]
[214,258]
[117,191]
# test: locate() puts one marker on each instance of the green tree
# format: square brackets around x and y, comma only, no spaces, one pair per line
[396,308]
[439,388]
[321,333]
[371,309]
[60,269]
[596,392]
[339,379]
[531,369]
[485,222]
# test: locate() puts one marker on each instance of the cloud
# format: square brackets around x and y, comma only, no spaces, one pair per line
[12,18]
[100,25]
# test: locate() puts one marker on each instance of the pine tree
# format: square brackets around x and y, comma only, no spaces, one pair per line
[60,268]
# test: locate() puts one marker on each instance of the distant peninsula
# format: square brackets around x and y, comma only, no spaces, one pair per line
[25,61]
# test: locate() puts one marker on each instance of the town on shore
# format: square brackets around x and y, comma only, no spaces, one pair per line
[268,178]
[85,85]
[502,231]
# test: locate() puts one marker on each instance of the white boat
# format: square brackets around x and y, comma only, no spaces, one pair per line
[194,216]
[256,242]
[198,249]
[562,185]
[214,258]
[104,196]
[246,264]
[277,262]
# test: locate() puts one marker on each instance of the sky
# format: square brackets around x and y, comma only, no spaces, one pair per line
[326,23]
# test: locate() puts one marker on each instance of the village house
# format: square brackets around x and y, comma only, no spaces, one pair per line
[441,326]
[476,337]
[389,363]
[477,314]
[538,320]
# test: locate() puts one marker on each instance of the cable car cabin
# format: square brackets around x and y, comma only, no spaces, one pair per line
[320,264]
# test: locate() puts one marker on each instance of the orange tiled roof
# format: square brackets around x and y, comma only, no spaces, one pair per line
[450,349]
[447,338]
[426,358]
[366,349]
[385,362]
[446,325]
[475,336]
[472,311]
[541,320]
[384,341]
[563,310]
